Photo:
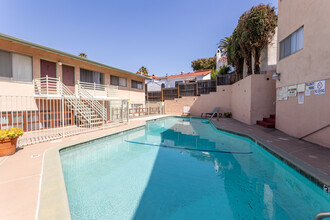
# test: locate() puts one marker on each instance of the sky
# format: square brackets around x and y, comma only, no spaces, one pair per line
[163,35]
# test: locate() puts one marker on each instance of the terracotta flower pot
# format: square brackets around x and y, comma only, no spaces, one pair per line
[7,146]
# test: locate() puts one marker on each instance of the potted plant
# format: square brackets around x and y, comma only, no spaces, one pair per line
[227,114]
[8,140]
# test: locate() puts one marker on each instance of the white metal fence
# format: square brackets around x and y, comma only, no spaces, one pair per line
[44,119]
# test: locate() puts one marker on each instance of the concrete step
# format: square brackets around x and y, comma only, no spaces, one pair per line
[266,124]
[270,120]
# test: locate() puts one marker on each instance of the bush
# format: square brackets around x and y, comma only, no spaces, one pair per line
[227,114]
[10,133]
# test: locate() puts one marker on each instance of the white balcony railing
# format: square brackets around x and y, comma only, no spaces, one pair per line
[99,90]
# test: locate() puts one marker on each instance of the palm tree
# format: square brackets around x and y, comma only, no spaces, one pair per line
[83,55]
[144,70]
[223,45]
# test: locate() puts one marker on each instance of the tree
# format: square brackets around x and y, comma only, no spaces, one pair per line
[222,71]
[144,70]
[255,29]
[223,45]
[262,22]
[204,63]
[234,55]
[83,55]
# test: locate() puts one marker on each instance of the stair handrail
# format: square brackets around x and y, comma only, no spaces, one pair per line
[77,103]
[96,106]
[322,215]
[314,131]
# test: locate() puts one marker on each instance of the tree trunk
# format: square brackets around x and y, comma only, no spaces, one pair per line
[257,53]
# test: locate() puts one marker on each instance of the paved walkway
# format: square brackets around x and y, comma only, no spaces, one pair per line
[21,173]
[307,156]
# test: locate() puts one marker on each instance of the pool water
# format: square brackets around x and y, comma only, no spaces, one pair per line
[178,168]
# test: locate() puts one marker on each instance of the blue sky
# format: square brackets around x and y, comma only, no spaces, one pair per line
[165,36]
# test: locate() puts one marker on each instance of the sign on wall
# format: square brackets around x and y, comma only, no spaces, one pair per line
[319,87]
[292,90]
[301,87]
[309,88]
[301,97]
[282,93]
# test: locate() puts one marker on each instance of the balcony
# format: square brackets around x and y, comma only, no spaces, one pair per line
[50,87]
[99,91]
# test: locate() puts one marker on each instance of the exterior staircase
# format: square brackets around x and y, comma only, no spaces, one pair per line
[267,122]
[88,112]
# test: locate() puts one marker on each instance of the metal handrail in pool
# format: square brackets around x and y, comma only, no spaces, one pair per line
[322,215]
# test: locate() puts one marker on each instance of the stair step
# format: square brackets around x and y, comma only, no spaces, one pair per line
[266,124]
[273,116]
[270,120]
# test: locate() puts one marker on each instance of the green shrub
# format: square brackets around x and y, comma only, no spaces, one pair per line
[227,114]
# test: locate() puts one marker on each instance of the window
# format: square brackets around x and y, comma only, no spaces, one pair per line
[22,68]
[91,76]
[137,84]
[118,81]
[292,43]
[15,66]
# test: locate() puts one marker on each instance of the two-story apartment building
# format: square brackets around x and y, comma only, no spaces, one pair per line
[46,89]
[21,62]
[303,99]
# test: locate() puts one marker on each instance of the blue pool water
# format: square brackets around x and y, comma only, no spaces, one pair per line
[177,168]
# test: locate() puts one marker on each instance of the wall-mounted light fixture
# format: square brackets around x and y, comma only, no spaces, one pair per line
[60,63]
[276,76]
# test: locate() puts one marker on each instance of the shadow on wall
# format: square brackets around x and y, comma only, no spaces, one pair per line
[249,99]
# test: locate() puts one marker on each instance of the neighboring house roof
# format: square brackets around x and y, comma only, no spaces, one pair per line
[190,79]
[192,74]
[223,59]
[30,44]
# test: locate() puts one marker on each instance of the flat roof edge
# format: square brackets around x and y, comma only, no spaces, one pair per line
[27,43]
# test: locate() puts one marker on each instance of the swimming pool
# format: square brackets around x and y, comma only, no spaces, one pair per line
[181,168]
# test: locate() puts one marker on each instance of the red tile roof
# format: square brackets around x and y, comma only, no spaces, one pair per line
[223,59]
[196,73]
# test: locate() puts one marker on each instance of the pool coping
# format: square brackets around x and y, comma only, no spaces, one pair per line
[319,178]
[53,201]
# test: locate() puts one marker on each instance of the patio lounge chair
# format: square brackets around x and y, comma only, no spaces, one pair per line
[186,111]
[215,112]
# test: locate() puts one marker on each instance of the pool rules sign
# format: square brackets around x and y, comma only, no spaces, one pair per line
[319,87]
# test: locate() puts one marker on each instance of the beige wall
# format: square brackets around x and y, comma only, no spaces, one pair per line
[249,100]
[134,95]
[310,64]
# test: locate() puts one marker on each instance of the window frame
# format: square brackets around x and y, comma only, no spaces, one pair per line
[11,78]
[136,83]
[286,44]
[118,81]
[102,76]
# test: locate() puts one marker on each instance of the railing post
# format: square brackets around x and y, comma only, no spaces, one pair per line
[178,91]
[196,88]
[103,114]
[63,130]
[59,91]
[148,108]
[47,85]
[127,110]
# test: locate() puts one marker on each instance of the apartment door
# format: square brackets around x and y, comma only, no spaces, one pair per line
[68,76]
[48,68]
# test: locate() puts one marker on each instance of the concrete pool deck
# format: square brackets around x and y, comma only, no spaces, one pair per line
[311,160]
[22,174]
